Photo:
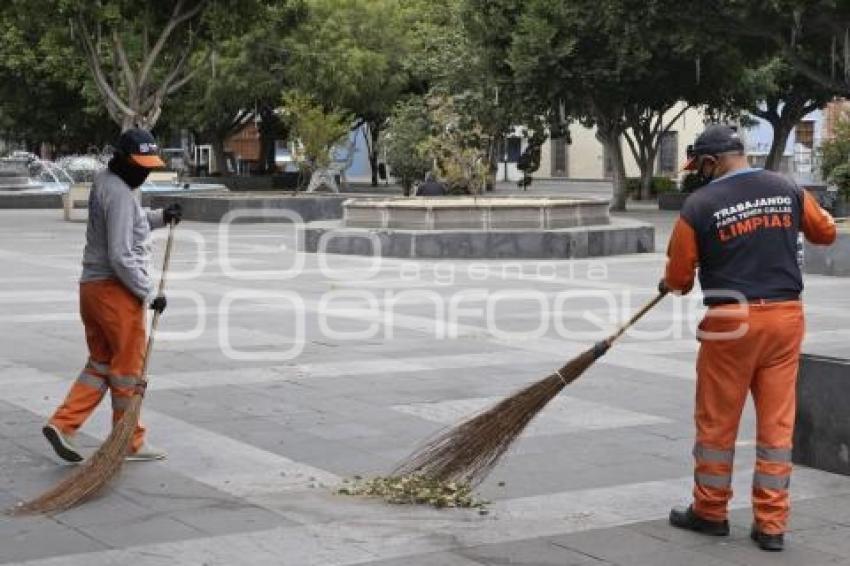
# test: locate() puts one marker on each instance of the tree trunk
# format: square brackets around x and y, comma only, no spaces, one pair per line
[612,142]
[270,128]
[781,131]
[647,173]
[374,133]
[218,157]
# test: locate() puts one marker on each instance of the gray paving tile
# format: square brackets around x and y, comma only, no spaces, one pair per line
[535,552]
[741,550]
[834,539]
[831,509]
[434,559]
[670,557]
[612,544]
[230,518]
[109,508]
[133,532]
[33,538]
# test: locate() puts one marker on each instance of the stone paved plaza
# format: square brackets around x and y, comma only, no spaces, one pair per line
[276,375]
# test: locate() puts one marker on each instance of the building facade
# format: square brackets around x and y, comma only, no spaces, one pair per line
[585,157]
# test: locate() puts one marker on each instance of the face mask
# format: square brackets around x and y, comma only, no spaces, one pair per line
[130,173]
[706,178]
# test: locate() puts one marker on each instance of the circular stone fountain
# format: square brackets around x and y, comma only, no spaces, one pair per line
[478,227]
[14,175]
[468,213]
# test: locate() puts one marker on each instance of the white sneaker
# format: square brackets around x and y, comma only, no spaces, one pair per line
[63,444]
[147,453]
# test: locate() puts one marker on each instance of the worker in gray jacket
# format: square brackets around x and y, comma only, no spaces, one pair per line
[115,289]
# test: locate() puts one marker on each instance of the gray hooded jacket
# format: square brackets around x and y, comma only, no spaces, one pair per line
[117,237]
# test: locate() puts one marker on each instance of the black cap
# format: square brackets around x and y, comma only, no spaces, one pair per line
[140,147]
[714,140]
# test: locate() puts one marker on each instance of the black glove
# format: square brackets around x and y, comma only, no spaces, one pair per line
[662,286]
[172,212]
[158,304]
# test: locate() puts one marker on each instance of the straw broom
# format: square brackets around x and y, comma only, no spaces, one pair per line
[467,452]
[93,474]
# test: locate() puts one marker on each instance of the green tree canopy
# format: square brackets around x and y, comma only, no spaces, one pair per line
[244,80]
[618,65]
[351,54]
[45,92]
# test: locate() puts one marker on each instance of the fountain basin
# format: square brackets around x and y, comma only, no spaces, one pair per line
[478,228]
[14,175]
[471,213]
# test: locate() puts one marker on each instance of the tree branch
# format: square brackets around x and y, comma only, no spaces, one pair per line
[810,107]
[177,85]
[675,119]
[99,77]
[632,146]
[176,19]
[125,65]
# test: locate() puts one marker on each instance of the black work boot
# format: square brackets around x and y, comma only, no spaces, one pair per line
[685,518]
[770,543]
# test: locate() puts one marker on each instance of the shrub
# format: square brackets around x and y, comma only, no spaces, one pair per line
[317,130]
[835,151]
[659,185]
[408,130]
[840,177]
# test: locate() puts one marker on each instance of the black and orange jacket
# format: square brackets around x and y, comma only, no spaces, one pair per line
[742,231]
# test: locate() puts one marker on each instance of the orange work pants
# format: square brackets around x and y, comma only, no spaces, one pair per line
[753,348]
[114,321]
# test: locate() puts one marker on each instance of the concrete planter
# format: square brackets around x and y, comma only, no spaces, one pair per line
[672,201]
[829,260]
[822,429]
[246,183]
[247,207]
[28,199]
[621,236]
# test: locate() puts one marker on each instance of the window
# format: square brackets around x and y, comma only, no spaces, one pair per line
[668,153]
[513,149]
[805,133]
[559,157]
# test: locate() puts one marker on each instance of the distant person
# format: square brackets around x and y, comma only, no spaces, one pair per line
[431,187]
[115,289]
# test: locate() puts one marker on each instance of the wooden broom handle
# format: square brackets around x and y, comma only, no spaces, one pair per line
[637,316]
[160,291]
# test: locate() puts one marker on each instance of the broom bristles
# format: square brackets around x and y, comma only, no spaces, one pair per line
[93,474]
[468,451]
